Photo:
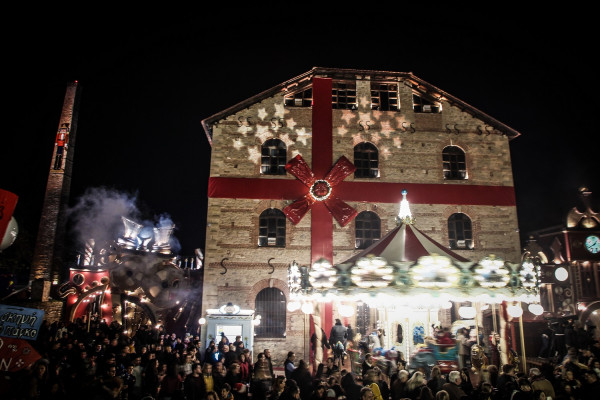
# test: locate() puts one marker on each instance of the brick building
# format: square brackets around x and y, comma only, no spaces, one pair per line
[399,131]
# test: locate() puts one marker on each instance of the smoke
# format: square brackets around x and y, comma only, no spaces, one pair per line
[97,215]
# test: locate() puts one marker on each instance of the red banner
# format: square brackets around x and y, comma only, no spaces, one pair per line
[16,354]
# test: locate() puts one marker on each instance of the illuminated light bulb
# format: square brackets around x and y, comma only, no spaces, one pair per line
[308,308]
[202,321]
[467,312]
[514,310]
[447,305]
[561,274]
[536,309]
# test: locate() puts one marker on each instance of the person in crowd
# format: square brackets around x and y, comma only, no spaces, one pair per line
[465,381]
[288,364]
[262,378]
[351,388]
[442,395]
[453,386]
[524,391]
[539,382]
[367,364]
[399,389]
[303,379]
[436,381]
[194,385]
[414,384]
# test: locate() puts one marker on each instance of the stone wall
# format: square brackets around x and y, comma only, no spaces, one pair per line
[410,151]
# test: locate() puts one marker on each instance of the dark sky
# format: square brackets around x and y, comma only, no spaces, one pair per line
[148,82]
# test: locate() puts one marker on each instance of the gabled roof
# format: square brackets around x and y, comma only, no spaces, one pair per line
[305,80]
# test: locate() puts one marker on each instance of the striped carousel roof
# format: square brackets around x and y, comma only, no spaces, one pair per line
[405,243]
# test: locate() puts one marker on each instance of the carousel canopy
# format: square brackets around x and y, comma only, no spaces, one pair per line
[408,267]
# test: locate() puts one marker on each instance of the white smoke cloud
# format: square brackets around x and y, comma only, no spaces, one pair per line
[97,215]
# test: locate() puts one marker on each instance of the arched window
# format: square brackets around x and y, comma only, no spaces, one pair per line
[274,157]
[460,232]
[366,160]
[455,166]
[271,228]
[270,305]
[367,229]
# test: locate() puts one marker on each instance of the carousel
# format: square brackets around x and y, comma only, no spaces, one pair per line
[413,286]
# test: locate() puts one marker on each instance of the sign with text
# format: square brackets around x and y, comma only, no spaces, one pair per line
[16,354]
[20,322]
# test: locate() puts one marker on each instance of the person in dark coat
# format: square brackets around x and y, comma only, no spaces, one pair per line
[351,388]
[304,380]
[338,334]
[453,386]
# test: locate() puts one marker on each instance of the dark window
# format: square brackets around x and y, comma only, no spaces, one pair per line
[343,96]
[423,105]
[299,99]
[366,160]
[460,233]
[384,97]
[274,157]
[368,229]
[271,228]
[270,305]
[455,166]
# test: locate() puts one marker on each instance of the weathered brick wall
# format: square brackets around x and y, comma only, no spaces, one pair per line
[410,147]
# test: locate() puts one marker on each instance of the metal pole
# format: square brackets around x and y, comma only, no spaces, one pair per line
[477,310]
[494,321]
[523,355]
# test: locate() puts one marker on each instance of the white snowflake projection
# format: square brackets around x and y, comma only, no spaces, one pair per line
[303,136]
[254,155]
[262,113]
[238,144]
[341,131]
[348,116]
[364,101]
[290,123]
[397,142]
[279,110]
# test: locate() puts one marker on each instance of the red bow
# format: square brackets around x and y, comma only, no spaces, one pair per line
[320,190]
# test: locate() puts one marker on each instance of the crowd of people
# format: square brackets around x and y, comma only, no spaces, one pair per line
[100,361]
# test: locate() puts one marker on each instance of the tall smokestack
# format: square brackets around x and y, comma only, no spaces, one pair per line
[48,254]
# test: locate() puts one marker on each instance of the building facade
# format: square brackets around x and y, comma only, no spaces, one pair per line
[398,131]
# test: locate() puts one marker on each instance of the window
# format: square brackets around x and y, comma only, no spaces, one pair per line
[384,97]
[299,99]
[366,160]
[270,305]
[460,232]
[455,166]
[271,228]
[423,105]
[274,157]
[343,96]
[367,229]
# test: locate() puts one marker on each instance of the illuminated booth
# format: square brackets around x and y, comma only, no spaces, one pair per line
[230,321]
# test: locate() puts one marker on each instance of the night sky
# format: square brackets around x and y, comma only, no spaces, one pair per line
[148,83]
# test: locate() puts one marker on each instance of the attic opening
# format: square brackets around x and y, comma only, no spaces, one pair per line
[422,104]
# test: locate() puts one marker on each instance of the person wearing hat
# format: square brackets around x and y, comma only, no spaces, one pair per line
[539,382]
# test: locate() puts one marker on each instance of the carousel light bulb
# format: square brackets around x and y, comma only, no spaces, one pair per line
[536,309]
[514,310]
[467,312]
[308,308]
[202,321]
[293,306]
[447,305]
